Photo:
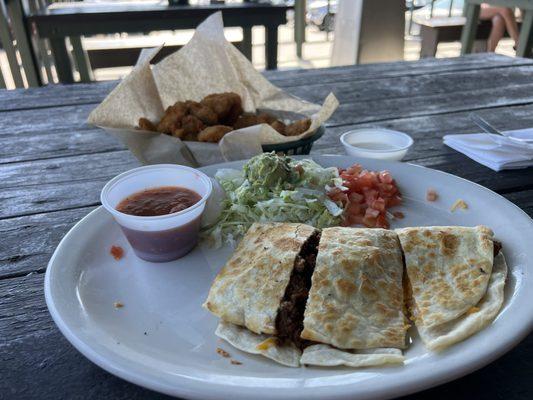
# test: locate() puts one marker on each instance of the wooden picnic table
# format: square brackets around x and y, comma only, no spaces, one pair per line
[53,166]
[59,21]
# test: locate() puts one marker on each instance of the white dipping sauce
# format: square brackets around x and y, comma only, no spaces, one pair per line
[372,145]
[376,143]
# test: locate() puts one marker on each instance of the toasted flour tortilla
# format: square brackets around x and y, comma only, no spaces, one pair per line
[249,288]
[266,345]
[327,356]
[356,296]
[442,336]
[448,268]
[291,356]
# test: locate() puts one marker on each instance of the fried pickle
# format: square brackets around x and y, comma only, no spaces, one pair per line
[171,120]
[227,106]
[266,118]
[279,126]
[191,125]
[179,133]
[214,116]
[246,120]
[250,119]
[213,133]
[146,125]
[298,127]
[202,112]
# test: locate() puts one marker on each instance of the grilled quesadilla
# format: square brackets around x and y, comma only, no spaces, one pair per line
[455,282]
[263,288]
[354,315]
[356,299]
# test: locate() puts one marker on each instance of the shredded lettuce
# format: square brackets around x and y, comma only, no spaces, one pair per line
[273,188]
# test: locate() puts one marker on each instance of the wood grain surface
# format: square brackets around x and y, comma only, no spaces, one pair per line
[53,165]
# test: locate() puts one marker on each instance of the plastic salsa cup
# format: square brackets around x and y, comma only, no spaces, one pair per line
[159,238]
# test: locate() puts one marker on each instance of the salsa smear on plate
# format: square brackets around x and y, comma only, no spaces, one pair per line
[158,201]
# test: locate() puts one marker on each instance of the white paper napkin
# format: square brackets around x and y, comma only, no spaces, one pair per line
[495,151]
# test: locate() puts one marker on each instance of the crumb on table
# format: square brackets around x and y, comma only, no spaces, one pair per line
[398,215]
[223,352]
[235,362]
[117,252]
[431,195]
[118,304]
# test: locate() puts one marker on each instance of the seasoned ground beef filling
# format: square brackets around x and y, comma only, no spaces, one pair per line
[497,247]
[289,321]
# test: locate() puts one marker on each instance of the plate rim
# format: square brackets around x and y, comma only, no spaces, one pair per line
[191,388]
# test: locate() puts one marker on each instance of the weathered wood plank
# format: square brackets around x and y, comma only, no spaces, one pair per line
[385,109]
[29,146]
[44,121]
[65,183]
[407,87]
[427,131]
[29,136]
[53,184]
[58,95]
[67,170]
[480,61]
[351,91]
[22,308]
[47,367]
[28,242]
[55,95]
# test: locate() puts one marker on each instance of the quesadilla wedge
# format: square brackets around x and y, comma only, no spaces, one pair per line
[355,302]
[263,288]
[455,281]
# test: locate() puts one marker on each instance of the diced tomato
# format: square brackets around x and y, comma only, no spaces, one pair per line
[381,222]
[370,212]
[353,208]
[354,169]
[379,204]
[385,177]
[370,195]
[366,180]
[355,197]
[367,196]
[355,219]
[369,222]
[394,201]
[339,197]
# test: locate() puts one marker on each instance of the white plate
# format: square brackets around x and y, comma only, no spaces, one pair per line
[162,339]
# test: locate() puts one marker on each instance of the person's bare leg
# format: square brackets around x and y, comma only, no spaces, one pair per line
[487,12]
[510,22]
[496,33]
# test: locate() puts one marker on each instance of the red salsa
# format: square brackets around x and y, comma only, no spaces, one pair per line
[158,201]
[161,246]
[117,252]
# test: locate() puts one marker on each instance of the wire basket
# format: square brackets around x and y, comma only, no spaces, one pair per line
[302,146]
